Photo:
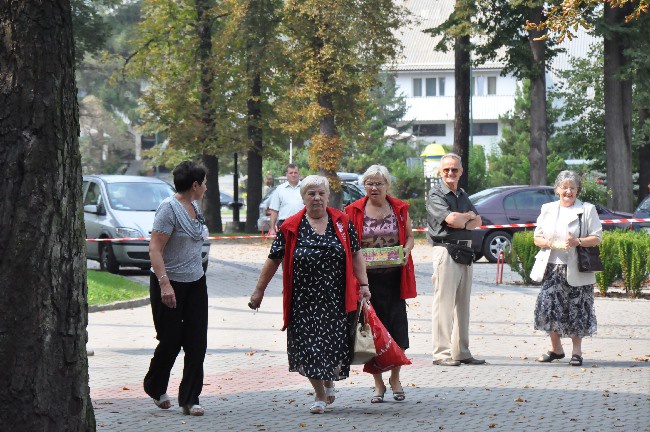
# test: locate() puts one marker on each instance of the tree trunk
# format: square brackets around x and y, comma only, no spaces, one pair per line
[644,157]
[462,78]
[618,115]
[538,118]
[254,185]
[43,362]
[328,131]
[212,197]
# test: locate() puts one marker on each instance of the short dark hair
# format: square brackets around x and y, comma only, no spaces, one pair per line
[292,166]
[186,173]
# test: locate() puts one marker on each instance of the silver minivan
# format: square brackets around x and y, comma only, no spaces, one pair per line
[118,206]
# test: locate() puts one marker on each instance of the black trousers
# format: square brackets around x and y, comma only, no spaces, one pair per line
[185,326]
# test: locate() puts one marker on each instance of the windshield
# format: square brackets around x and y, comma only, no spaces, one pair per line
[482,196]
[645,206]
[137,196]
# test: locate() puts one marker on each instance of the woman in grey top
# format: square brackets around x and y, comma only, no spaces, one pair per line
[178,290]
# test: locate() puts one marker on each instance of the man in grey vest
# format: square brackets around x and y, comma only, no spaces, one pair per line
[451,216]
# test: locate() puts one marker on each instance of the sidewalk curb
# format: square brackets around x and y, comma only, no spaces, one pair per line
[128,304]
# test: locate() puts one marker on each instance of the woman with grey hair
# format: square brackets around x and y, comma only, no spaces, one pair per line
[324,276]
[383,221]
[565,304]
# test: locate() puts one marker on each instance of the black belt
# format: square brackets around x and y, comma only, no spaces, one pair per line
[467,243]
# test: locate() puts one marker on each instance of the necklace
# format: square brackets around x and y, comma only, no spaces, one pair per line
[383,211]
[311,219]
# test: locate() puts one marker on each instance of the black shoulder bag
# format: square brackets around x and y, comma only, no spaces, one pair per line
[588,257]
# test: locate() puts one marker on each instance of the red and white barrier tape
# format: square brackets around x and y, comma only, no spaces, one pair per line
[532,225]
[526,225]
[120,240]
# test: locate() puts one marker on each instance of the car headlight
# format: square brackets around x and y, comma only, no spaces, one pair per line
[127,233]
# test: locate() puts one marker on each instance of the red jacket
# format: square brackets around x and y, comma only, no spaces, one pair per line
[357,210]
[290,230]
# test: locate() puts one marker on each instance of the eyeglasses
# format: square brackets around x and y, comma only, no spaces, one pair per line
[371,185]
[569,188]
[453,170]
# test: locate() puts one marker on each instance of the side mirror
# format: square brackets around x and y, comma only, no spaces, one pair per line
[95,209]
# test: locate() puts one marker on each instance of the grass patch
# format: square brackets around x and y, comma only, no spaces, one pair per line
[105,288]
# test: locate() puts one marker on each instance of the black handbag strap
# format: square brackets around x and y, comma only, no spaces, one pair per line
[580,225]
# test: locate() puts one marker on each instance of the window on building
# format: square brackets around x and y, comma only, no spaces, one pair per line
[485,129]
[492,85]
[417,87]
[430,86]
[441,86]
[430,130]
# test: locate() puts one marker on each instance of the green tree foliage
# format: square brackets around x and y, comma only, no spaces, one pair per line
[508,167]
[90,29]
[335,51]
[583,110]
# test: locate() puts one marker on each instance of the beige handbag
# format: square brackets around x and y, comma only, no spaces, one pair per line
[363,343]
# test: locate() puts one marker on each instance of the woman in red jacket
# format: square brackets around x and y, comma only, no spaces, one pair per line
[322,272]
[383,221]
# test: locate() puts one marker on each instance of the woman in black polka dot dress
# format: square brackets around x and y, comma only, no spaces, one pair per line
[323,269]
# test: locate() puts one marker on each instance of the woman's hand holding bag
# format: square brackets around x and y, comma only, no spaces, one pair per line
[363,344]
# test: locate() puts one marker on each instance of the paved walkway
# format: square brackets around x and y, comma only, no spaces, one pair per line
[248,387]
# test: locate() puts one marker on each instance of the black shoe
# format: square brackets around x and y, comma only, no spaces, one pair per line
[472,361]
[549,357]
[446,362]
[576,360]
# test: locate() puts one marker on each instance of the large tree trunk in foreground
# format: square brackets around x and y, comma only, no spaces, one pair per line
[618,116]
[43,291]
[254,185]
[462,98]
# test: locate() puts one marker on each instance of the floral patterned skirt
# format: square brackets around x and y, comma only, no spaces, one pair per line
[563,308]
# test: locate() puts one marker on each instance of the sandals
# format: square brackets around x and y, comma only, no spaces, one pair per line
[576,360]
[194,410]
[399,396]
[549,357]
[318,407]
[378,398]
[330,394]
[163,402]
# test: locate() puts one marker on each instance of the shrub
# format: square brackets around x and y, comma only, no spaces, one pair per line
[418,212]
[521,256]
[611,263]
[633,252]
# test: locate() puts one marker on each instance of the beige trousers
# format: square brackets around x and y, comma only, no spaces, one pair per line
[452,286]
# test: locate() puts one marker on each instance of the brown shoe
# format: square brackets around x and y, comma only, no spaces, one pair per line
[472,361]
[446,362]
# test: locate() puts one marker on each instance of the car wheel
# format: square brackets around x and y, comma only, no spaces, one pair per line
[205,266]
[495,241]
[107,261]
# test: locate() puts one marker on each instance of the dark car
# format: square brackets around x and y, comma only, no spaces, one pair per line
[227,200]
[642,212]
[506,205]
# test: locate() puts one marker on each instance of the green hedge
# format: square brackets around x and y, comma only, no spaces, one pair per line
[418,212]
[624,254]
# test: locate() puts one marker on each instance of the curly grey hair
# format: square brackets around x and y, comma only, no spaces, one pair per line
[314,181]
[568,176]
[374,170]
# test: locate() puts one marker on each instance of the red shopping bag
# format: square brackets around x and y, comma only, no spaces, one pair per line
[389,354]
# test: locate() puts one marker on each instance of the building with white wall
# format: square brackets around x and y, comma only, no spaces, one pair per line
[426,78]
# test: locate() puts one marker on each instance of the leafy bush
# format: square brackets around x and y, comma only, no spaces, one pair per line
[633,252]
[418,212]
[611,264]
[521,256]
[625,255]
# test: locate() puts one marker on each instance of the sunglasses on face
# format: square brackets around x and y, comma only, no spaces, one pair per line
[452,170]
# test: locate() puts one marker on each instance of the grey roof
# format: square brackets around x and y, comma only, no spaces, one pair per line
[419,51]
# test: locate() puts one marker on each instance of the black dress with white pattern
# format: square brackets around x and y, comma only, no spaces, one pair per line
[317,335]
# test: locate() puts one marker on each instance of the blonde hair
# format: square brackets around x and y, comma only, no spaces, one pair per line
[314,181]
[374,170]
